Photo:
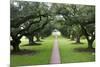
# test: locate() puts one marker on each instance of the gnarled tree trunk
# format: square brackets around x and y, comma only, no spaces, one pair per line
[90,44]
[31,41]
[78,39]
[72,37]
[90,38]
[15,43]
[37,37]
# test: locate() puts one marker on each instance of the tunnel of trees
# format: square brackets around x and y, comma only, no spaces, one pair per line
[39,19]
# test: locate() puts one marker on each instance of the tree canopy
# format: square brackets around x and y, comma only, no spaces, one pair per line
[40,19]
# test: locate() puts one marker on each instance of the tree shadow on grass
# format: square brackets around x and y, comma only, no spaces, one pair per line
[84,50]
[40,41]
[25,52]
[37,44]
[74,43]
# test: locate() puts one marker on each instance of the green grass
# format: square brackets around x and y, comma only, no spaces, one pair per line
[70,54]
[41,57]
[68,51]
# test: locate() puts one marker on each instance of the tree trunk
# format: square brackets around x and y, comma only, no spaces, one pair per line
[72,37]
[87,35]
[77,39]
[68,36]
[37,37]
[90,43]
[42,37]
[15,44]
[16,48]
[31,41]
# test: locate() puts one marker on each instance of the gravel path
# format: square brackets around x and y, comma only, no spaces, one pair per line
[55,58]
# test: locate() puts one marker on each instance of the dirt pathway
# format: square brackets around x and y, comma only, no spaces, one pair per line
[55,57]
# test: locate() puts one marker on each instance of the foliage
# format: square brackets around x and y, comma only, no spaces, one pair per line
[32,18]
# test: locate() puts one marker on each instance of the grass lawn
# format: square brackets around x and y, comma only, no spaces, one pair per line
[69,52]
[42,55]
[72,53]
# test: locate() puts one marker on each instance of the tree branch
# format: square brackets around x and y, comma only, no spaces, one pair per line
[17,21]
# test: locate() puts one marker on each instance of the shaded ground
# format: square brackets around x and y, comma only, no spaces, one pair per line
[84,50]
[77,43]
[25,52]
[37,44]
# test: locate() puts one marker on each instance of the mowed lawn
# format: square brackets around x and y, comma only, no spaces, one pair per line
[69,52]
[42,53]
[73,53]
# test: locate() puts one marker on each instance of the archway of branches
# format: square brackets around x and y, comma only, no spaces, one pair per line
[38,19]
